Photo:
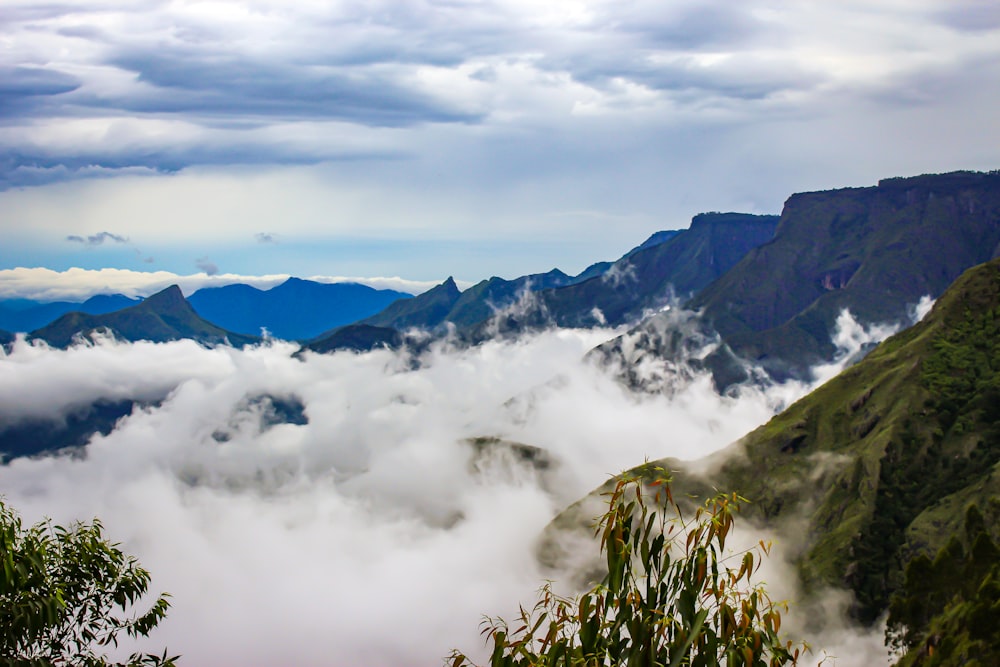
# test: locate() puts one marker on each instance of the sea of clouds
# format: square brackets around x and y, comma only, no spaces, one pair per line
[374,534]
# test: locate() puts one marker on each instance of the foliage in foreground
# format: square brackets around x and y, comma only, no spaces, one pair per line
[66,594]
[670,596]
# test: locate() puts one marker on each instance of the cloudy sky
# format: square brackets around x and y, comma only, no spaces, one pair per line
[422,138]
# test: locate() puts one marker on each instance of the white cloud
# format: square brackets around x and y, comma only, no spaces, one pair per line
[366,536]
[78,284]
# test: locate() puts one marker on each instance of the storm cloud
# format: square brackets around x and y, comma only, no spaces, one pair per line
[97,239]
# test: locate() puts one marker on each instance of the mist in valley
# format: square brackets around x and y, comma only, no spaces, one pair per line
[372,527]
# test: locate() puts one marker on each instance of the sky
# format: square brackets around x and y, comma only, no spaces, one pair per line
[427,138]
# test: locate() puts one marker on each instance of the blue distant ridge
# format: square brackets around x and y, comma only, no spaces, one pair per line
[27,315]
[294,310]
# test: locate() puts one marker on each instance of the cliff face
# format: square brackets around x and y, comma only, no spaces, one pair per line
[873,250]
[686,263]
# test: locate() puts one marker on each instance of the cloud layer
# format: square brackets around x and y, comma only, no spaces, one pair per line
[77,284]
[372,534]
[163,86]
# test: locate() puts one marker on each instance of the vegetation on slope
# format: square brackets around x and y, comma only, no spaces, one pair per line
[882,462]
[867,455]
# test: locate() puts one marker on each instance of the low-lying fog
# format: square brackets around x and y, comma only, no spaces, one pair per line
[374,534]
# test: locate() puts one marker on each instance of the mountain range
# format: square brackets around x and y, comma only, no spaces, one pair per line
[164,316]
[646,277]
[294,310]
[28,315]
[769,287]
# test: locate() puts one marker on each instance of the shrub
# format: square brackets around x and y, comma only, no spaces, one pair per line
[669,597]
[65,595]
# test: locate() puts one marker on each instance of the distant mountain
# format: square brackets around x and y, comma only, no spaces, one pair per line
[655,239]
[359,337]
[163,316]
[445,303]
[599,268]
[873,250]
[6,337]
[481,301]
[424,311]
[27,315]
[639,280]
[294,310]
[887,478]
[646,278]
[433,310]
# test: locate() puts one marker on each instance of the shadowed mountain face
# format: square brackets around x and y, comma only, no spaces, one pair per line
[644,278]
[294,310]
[873,250]
[26,315]
[163,316]
[650,276]
[73,431]
[359,337]
[872,476]
[424,311]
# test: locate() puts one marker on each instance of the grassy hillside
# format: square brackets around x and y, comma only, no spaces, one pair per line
[881,466]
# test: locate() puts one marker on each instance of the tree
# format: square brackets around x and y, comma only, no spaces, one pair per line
[669,597]
[66,594]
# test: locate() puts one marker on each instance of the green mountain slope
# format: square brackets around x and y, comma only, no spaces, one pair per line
[879,468]
[873,249]
[913,424]
[163,316]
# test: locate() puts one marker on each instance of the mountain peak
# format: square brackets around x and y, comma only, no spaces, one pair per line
[168,299]
[163,316]
[448,287]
